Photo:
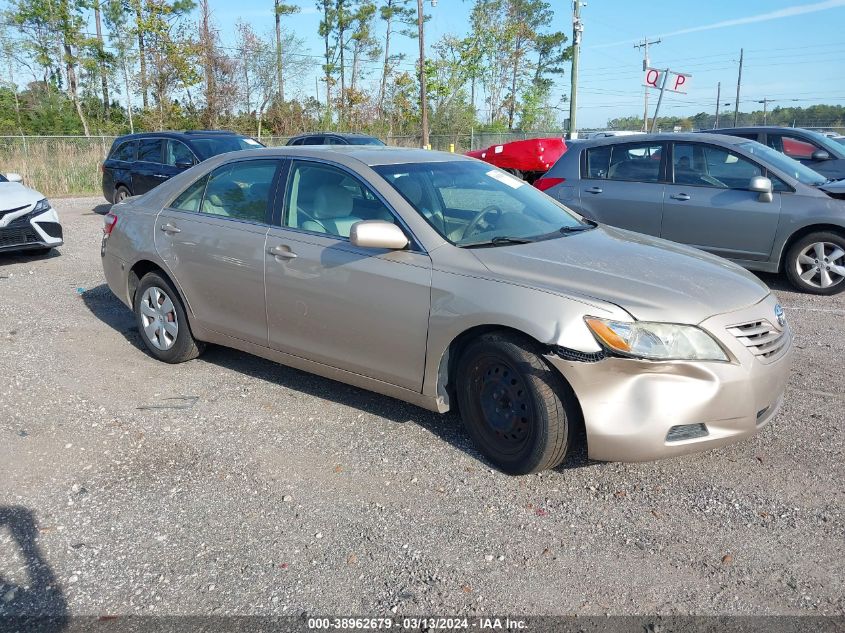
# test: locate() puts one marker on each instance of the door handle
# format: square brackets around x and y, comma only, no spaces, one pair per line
[170,228]
[159,176]
[282,252]
[680,196]
[593,190]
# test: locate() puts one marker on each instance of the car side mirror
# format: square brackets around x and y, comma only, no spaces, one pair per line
[763,186]
[377,234]
[13,177]
[820,154]
[184,164]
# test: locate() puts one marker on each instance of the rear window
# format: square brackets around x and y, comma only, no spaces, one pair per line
[363,140]
[210,146]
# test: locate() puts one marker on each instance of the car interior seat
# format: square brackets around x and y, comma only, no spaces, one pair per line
[331,211]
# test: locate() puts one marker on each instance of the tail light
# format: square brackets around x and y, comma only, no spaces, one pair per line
[109,222]
[547,183]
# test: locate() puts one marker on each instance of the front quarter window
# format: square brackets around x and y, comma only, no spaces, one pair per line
[471,204]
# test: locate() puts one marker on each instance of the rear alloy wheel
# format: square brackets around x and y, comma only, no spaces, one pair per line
[162,322]
[121,194]
[816,263]
[511,404]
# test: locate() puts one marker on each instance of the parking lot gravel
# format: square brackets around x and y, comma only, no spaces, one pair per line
[233,485]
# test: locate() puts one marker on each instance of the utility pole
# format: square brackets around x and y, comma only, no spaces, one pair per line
[718,103]
[423,97]
[765,102]
[646,61]
[577,29]
[738,84]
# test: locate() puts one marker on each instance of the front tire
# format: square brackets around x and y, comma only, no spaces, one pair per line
[162,322]
[512,404]
[816,263]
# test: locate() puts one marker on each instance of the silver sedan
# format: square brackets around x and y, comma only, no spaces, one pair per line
[447,283]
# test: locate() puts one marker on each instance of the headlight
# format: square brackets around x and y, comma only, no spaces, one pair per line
[656,341]
[41,206]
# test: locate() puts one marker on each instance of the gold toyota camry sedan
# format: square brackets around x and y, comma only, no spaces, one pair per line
[444,282]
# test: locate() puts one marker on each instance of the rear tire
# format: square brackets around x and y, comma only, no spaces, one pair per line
[121,194]
[517,410]
[162,322]
[816,263]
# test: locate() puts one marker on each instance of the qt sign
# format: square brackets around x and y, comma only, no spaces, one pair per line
[675,82]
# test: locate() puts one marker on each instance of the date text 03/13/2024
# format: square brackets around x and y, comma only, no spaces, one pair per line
[416,623]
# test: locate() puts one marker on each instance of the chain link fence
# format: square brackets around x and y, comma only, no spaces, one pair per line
[69,165]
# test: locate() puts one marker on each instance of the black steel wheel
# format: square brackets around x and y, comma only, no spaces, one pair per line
[514,406]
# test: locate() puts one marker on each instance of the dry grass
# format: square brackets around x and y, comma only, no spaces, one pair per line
[67,166]
[56,166]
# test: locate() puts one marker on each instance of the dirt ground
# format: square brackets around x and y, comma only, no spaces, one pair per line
[232,485]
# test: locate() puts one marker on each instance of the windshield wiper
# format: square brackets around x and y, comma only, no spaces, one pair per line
[577,229]
[499,240]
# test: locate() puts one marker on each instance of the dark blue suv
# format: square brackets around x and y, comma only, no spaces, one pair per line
[139,162]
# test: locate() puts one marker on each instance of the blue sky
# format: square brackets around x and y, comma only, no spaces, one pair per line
[794,50]
[798,56]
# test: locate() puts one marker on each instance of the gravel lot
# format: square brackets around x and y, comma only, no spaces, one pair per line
[232,485]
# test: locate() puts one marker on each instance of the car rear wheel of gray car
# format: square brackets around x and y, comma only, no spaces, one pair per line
[121,194]
[816,263]
[162,322]
[511,404]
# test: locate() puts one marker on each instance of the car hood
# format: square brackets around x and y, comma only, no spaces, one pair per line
[834,186]
[14,195]
[650,278]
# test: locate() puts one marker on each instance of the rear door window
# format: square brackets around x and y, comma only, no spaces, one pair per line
[190,199]
[241,190]
[149,150]
[639,162]
[598,161]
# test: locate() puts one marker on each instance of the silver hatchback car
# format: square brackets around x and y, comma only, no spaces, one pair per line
[450,284]
[730,196]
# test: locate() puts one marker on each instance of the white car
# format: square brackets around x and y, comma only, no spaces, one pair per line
[27,221]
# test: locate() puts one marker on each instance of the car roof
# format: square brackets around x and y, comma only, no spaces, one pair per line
[757,128]
[667,136]
[179,134]
[340,134]
[349,155]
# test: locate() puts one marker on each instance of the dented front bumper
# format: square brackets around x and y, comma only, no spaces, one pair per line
[630,406]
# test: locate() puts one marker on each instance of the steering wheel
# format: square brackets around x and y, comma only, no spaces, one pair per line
[470,230]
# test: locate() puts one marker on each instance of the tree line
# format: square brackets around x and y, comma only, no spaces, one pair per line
[163,64]
[812,116]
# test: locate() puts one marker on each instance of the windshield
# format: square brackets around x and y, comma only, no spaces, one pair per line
[3,178]
[471,204]
[839,139]
[214,145]
[363,140]
[784,163]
